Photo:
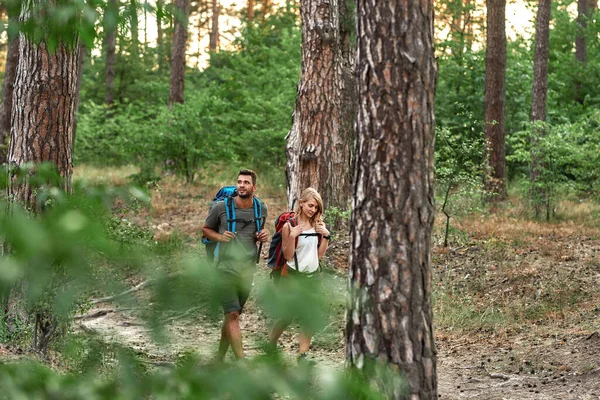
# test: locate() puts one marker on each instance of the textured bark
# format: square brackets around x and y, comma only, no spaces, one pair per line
[583,13]
[267,8]
[12,58]
[110,42]
[389,313]
[134,26]
[43,113]
[79,72]
[160,47]
[540,91]
[213,44]
[250,10]
[495,100]
[178,52]
[321,123]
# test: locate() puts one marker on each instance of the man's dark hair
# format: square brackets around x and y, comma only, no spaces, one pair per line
[248,172]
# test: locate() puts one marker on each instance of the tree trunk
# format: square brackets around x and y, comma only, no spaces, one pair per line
[389,315]
[12,58]
[80,64]
[320,122]
[213,44]
[133,22]
[110,42]
[250,11]
[43,113]
[160,49]
[583,13]
[178,52]
[538,107]
[145,24]
[267,8]
[495,99]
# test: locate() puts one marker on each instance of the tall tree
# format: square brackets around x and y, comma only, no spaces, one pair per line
[182,8]
[160,48]
[134,26]
[495,100]
[8,84]
[538,106]
[43,110]
[110,41]
[213,44]
[584,9]
[250,10]
[267,8]
[389,314]
[325,107]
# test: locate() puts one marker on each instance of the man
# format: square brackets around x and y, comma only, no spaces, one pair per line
[236,257]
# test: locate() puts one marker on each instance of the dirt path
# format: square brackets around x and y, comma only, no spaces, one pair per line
[522,319]
[469,368]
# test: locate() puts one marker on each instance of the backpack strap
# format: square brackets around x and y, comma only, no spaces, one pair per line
[259,220]
[294,223]
[230,214]
[258,214]
[231,221]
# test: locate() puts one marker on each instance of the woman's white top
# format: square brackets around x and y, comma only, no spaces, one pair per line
[307,253]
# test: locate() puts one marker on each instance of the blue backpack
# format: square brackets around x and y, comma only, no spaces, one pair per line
[227,194]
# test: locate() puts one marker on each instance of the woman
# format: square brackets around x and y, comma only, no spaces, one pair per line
[304,242]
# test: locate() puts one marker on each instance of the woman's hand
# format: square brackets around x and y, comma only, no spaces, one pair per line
[295,231]
[321,228]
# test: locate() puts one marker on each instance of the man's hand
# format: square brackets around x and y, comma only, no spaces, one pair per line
[262,236]
[227,236]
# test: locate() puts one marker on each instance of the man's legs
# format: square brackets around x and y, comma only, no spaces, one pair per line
[223,343]
[234,334]
[234,294]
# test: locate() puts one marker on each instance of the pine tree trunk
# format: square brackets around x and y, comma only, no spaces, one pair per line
[213,44]
[134,25]
[160,47]
[267,8]
[319,142]
[583,13]
[538,107]
[80,64]
[178,52]
[12,59]
[389,315]
[495,99]
[250,10]
[43,113]
[110,42]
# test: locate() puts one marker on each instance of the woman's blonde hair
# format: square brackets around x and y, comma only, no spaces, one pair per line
[311,194]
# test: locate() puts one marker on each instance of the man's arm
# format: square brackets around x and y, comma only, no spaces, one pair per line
[211,225]
[215,236]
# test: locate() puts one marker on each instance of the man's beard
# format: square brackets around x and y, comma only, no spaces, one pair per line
[245,196]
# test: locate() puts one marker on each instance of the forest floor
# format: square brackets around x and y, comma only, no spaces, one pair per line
[516,301]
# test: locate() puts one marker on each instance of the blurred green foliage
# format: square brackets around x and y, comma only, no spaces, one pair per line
[62,261]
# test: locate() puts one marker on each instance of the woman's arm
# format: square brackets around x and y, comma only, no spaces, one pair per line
[288,244]
[322,230]
[323,246]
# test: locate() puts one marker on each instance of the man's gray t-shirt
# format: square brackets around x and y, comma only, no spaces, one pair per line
[239,255]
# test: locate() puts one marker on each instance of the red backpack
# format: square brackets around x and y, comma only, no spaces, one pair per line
[276,260]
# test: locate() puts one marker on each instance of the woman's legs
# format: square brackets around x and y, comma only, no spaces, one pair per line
[304,341]
[277,330]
